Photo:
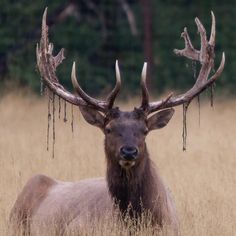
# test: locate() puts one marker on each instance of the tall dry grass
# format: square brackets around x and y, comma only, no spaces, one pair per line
[202,179]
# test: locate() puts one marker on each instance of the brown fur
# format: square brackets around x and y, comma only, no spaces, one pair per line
[30,199]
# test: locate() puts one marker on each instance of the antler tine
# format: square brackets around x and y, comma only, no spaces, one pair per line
[213,30]
[205,56]
[188,51]
[145,93]
[204,42]
[112,96]
[219,70]
[92,101]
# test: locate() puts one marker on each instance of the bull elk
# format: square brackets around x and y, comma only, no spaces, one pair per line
[132,183]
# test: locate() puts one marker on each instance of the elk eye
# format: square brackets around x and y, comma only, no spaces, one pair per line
[108,130]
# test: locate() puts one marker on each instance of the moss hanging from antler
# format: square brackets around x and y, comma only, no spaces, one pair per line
[59,107]
[212,94]
[49,119]
[65,118]
[199,109]
[72,119]
[194,68]
[41,86]
[184,134]
[53,124]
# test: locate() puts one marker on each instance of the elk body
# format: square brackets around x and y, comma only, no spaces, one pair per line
[132,183]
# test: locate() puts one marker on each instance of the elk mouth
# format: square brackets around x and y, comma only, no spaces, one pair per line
[126,164]
[128,156]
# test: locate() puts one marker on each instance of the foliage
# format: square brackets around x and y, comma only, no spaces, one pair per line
[95,33]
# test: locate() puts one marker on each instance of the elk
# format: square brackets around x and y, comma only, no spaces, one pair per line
[132,183]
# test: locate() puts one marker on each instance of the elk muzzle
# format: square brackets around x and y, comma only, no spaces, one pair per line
[128,156]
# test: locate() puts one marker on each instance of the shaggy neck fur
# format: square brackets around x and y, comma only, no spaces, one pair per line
[137,189]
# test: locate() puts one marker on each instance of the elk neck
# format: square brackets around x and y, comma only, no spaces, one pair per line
[134,188]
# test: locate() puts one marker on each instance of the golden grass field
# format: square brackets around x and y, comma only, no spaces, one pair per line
[202,179]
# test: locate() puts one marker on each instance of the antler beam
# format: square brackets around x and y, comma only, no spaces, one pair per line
[47,65]
[206,58]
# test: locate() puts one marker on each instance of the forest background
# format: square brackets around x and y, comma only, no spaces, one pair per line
[96,33]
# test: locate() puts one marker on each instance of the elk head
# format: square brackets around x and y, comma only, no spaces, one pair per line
[125,132]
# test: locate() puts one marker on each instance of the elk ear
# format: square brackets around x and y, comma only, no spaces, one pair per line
[160,119]
[92,116]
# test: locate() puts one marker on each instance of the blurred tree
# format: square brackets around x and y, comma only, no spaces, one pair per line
[99,32]
[147,8]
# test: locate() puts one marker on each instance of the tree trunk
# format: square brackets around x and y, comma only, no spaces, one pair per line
[109,47]
[148,37]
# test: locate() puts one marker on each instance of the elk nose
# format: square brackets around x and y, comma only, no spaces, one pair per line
[129,153]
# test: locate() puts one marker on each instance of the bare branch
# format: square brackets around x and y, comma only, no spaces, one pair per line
[130,16]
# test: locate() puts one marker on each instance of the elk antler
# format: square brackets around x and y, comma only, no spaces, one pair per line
[47,64]
[205,56]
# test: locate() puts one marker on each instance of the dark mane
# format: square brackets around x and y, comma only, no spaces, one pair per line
[136,190]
